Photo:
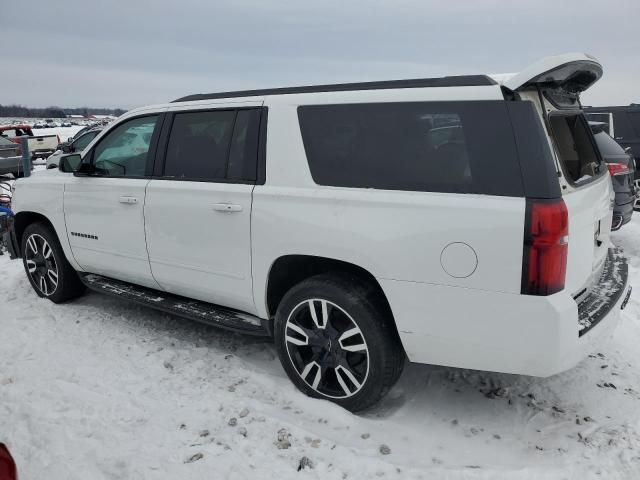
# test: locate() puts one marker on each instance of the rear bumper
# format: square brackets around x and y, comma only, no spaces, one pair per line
[606,293]
[621,215]
[504,332]
[44,152]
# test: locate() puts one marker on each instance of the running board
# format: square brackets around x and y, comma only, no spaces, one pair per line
[176,305]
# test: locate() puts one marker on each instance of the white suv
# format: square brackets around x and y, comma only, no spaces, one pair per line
[459,221]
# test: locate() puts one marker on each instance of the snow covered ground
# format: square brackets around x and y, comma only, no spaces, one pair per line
[102,389]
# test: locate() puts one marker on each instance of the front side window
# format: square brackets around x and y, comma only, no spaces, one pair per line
[124,151]
[454,147]
[573,140]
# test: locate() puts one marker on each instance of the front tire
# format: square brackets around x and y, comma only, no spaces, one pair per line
[47,268]
[336,340]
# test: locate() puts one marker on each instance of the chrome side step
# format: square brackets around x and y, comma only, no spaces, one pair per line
[176,305]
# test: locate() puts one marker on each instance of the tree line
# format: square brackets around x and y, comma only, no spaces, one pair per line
[20,111]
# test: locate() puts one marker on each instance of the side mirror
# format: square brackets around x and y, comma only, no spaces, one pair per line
[66,148]
[70,139]
[70,163]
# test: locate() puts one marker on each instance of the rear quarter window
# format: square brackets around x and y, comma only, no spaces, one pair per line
[453,147]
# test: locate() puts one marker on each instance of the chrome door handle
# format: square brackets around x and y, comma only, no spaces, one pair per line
[227,207]
[128,200]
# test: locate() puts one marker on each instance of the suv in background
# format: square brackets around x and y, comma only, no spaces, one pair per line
[77,144]
[622,123]
[355,224]
[622,170]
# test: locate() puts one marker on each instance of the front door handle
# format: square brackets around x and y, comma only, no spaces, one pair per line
[129,200]
[227,207]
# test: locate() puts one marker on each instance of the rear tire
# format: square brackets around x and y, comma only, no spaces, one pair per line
[46,266]
[336,340]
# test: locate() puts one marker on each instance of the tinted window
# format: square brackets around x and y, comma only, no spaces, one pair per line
[82,142]
[607,145]
[572,137]
[243,155]
[602,119]
[199,145]
[459,147]
[124,151]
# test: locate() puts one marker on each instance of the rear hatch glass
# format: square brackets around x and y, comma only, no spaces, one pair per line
[578,154]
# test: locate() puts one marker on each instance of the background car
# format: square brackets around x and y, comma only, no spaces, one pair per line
[622,123]
[71,139]
[621,167]
[77,145]
[10,157]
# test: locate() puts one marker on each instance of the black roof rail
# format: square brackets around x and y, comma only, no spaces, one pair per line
[453,81]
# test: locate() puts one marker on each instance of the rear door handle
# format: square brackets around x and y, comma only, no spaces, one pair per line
[227,207]
[129,200]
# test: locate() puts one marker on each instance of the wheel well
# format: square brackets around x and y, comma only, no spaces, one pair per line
[290,270]
[23,219]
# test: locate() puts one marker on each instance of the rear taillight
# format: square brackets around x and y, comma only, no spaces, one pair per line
[617,169]
[546,242]
[8,469]
[58,137]
[19,150]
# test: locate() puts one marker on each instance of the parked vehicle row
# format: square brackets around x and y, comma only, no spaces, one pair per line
[460,221]
[40,146]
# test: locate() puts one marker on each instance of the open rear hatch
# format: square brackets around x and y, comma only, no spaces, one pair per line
[554,85]
[569,74]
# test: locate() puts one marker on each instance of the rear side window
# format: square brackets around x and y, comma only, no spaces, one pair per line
[576,149]
[243,154]
[457,147]
[199,145]
[215,145]
[607,145]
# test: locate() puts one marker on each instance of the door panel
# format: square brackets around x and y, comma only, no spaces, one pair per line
[198,235]
[104,210]
[107,235]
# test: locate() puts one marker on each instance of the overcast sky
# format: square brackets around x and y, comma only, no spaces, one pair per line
[125,54]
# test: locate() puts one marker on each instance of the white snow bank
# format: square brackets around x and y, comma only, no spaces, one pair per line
[101,389]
